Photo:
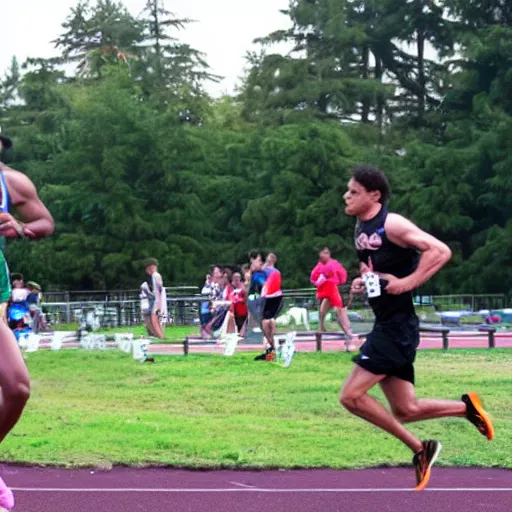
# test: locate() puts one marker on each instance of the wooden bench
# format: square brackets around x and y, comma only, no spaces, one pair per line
[491,331]
[339,336]
[200,341]
[441,329]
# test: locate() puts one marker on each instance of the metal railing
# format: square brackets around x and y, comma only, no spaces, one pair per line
[123,313]
[120,308]
[103,296]
[465,302]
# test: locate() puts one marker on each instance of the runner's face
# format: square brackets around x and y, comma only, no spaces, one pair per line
[236,280]
[357,199]
[325,255]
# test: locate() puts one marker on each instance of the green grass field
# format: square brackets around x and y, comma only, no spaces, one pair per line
[177,333]
[103,408]
[173,333]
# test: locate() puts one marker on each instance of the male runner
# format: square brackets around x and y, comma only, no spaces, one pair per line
[327,275]
[18,191]
[404,257]
[265,287]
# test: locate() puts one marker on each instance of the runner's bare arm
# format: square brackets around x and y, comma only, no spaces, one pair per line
[37,220]
[434,253]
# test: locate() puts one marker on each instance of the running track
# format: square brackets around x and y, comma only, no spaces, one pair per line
[428,341]
[165,490]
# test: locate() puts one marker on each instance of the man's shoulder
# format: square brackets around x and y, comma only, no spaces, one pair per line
[11,173]
[394,215]
[395,219]
[18,183]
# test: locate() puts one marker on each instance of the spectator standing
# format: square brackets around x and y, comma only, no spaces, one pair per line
[153,291]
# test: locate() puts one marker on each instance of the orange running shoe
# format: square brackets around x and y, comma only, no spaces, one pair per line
[476,414]
[271,355]
[423,462]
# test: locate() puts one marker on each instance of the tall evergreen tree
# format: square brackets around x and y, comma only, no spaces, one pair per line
[327,73]
[98,35]
[169,65]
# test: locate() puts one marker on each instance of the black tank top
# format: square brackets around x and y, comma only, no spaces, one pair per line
[376,250]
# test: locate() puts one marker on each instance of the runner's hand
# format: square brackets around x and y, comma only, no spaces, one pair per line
[10,227]
[357,285]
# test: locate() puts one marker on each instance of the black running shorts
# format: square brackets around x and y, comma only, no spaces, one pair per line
[390,349]
[272,307]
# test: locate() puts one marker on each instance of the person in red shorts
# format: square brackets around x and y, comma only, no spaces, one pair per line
[238,298]
[327,275]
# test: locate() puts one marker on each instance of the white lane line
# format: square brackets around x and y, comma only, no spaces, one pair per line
[242,485]
[253,489]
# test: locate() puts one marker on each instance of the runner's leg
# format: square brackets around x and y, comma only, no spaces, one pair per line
[407,408]
[354,397]
[268,326]
[14,381]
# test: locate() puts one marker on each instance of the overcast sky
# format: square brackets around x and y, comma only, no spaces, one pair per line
[224,30]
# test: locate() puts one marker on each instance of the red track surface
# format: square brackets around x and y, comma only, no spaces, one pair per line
[502,340]
[163,490]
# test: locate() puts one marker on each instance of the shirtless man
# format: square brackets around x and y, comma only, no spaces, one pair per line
[33,221]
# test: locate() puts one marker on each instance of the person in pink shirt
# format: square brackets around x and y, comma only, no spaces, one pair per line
[238,298]
[327,275]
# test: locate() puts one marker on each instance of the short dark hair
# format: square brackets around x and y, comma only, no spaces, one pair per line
[372,179]
[257,252]
[150,261]
[15,276]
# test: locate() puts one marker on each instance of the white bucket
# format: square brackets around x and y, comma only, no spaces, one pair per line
[140,349]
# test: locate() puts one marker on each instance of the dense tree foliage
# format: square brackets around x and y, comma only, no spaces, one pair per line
[134,159]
